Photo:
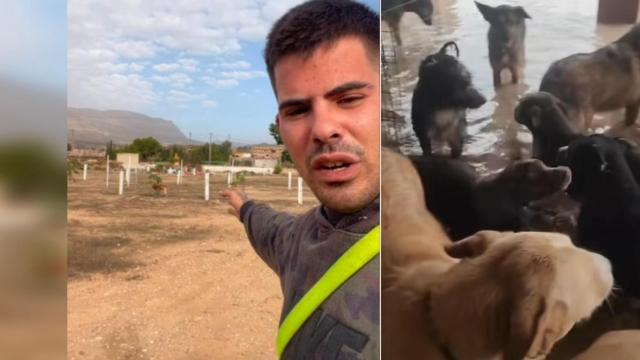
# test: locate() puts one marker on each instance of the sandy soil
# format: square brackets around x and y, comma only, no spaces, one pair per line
[153,277]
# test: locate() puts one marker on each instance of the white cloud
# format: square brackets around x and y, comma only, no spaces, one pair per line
[166,67]
[226,83]
[189,65]
[208,104]
[112,42]
[235,65]
[178,97]
[243,75]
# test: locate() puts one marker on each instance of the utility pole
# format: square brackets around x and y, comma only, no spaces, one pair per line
[210,134]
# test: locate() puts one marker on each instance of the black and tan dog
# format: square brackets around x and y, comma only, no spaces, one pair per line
[606,79]
[464,202]
[440,100]
[392,11]
[506,39]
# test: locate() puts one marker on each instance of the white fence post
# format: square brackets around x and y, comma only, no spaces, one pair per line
[206,186]
[178,177]
[299,190]
[121,183]
[107,171]
[128,176]
[229,179]
[84,172]
[289,183]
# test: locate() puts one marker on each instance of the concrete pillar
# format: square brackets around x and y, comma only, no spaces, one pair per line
[617,11]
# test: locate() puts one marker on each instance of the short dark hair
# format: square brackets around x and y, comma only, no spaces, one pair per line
[309,25]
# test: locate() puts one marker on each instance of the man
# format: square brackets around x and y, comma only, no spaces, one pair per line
[323,62]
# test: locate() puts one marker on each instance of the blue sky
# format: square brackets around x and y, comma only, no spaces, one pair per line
[197,63]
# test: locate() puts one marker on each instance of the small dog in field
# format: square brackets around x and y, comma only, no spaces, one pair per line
[603,80]
[506,39]
[160,188]
[513,296]
[440,100]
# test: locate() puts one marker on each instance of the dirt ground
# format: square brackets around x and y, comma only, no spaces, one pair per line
[153,277]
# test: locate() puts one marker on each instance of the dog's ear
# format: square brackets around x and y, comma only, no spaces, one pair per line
[520,11]
[487,11]
[535,114]
[473,245]
[535,327]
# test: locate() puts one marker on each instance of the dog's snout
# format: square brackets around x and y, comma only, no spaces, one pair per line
[603,267]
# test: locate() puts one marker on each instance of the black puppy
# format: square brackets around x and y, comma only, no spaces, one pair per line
[506,39]
[465,203]
[392,11]
[609,220]
[547,119]
[440,100]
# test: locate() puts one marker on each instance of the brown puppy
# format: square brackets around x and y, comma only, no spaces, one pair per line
[160,188]
[513,298]
[623,344]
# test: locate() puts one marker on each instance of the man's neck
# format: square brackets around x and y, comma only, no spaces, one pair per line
[340,220]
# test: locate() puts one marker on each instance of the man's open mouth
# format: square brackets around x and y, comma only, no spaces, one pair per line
[335,167]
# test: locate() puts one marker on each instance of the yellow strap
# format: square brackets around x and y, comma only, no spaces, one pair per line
[357,256]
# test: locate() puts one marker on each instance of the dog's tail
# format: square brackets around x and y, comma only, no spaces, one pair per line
[443,49]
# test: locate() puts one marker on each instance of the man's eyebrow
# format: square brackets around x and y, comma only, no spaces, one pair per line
[293,102]
[354,85]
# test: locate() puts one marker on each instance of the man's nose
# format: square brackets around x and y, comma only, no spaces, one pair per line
[326,125]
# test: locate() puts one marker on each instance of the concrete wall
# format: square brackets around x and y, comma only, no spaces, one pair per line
[235,169]
[265,163]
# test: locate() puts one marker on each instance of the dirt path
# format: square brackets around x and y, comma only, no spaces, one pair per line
[169,278]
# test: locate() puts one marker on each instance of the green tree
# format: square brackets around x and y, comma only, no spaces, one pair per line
[148,148]
[273,130]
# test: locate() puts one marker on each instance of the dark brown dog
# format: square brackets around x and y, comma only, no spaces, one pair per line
[506,39]
[466,203]
[606,79]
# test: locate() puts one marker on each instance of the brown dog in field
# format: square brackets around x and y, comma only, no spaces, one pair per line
[606,79]
[514,296]
[160,188]
[622,344]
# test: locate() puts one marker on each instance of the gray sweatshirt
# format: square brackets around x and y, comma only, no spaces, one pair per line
[300,249]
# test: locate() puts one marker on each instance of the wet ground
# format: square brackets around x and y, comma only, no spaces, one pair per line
[557,29]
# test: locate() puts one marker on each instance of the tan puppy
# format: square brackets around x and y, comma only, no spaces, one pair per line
[514,298]
[160,188]
[623,345]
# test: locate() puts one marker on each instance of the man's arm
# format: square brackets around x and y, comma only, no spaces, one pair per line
[269,231]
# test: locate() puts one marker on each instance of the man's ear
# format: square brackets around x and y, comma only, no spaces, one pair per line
[535,327]
[473,245]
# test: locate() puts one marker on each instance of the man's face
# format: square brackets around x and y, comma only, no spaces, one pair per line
[329,120]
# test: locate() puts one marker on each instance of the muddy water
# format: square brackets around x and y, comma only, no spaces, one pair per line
[558,28]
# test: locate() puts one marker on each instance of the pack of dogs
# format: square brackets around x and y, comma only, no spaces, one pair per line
[464,254]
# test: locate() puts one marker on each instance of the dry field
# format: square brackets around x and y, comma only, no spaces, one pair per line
[153,277]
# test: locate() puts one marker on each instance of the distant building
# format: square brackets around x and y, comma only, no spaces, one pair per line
[263,156]
[87,153]
[128,159]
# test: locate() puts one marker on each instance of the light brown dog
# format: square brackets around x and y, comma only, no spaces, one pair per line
[513,296]
[160,188]
[623,345]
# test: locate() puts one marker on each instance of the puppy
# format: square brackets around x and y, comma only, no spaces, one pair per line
[548,120]
[514,296]
[506,39]
[609,220]
[440,100]
[392,11]
[160,188]
[606,79]
[465,203]
[623,344]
